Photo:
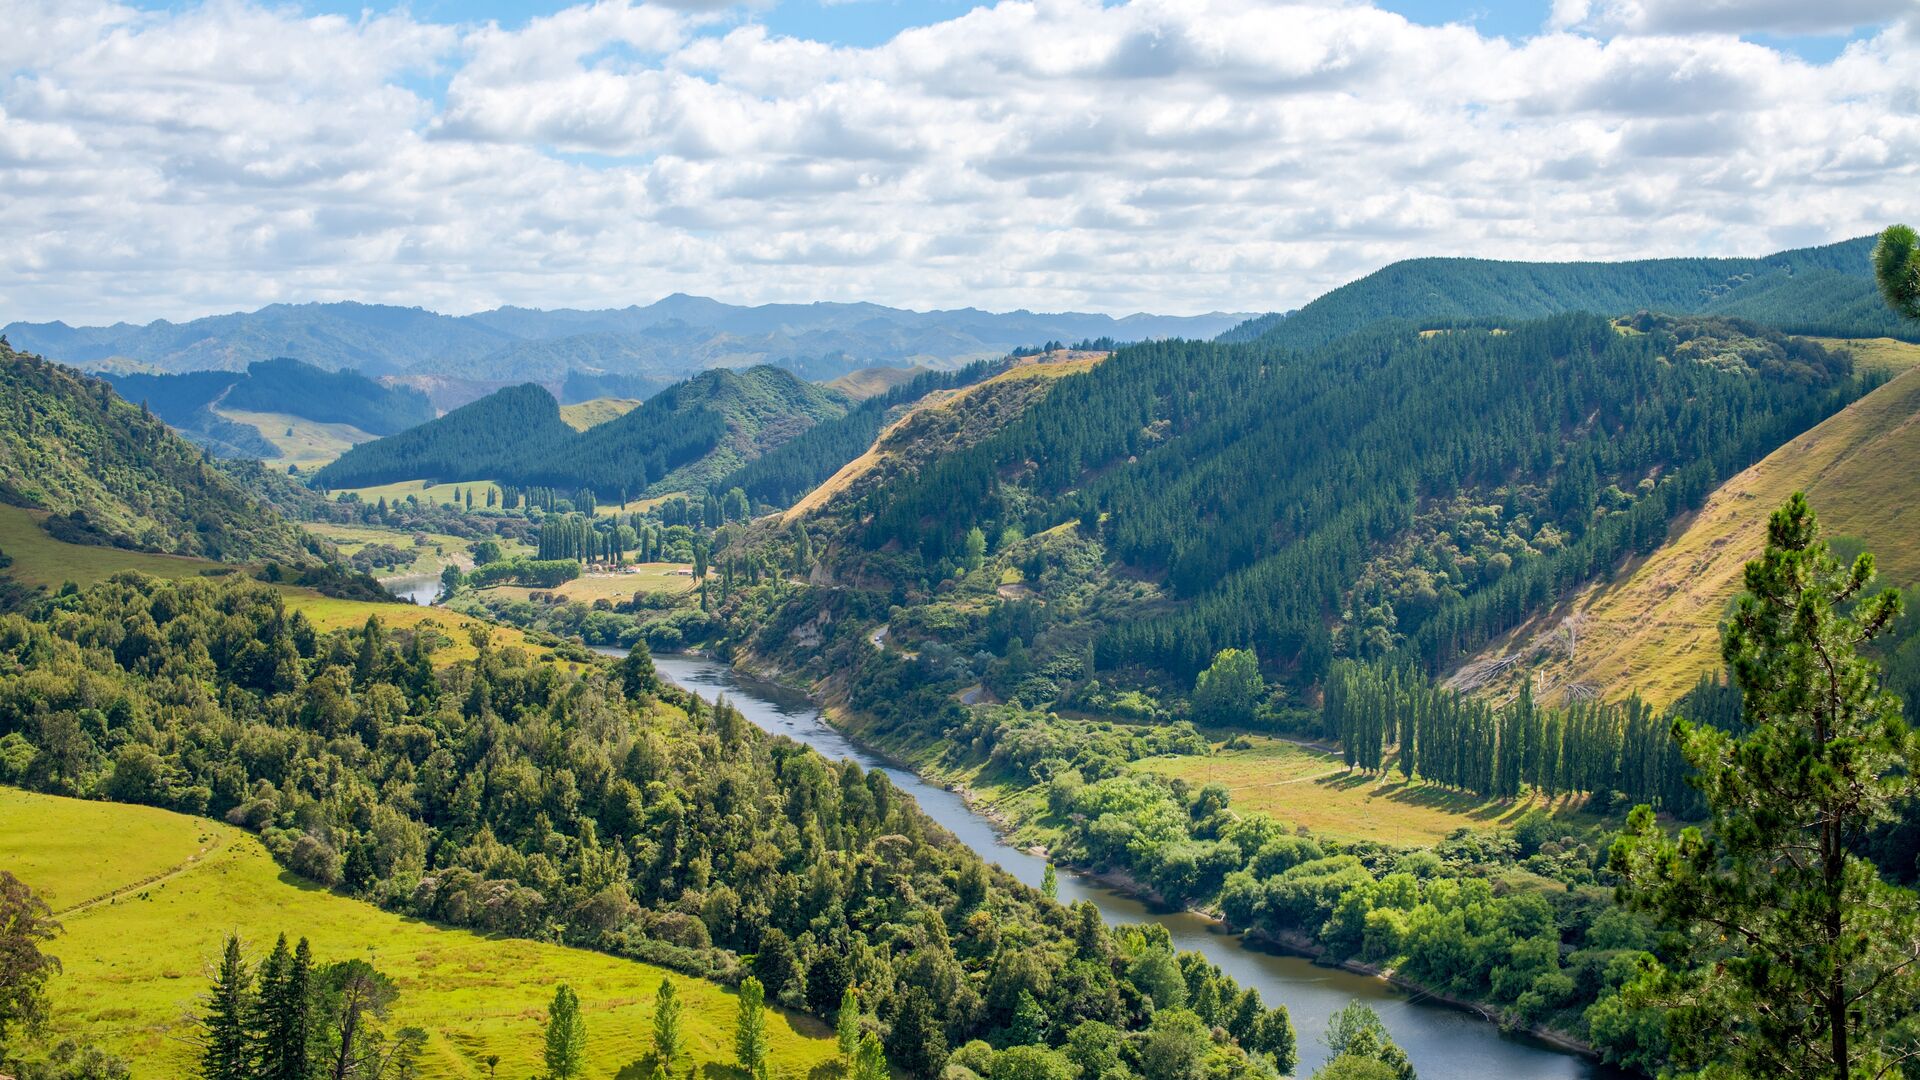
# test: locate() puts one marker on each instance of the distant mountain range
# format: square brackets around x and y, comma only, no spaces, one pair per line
[660,343]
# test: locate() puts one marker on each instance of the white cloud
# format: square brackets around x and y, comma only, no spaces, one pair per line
[1168,155]
[1728,16]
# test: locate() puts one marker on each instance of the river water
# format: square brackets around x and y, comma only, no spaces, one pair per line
[421,589]
[1445,1043]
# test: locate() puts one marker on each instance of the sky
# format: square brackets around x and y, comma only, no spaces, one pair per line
[163,160]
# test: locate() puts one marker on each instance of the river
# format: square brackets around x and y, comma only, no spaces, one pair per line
[1444,1043]
[421,589]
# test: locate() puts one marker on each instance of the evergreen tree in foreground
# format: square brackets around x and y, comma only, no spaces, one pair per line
[1804,960]
[226,1051]
[566,1036]
[1896,264]
[283,1021]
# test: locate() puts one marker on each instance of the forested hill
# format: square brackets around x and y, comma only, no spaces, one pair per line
[1823,290]
[683,439]
[1407,492]
[109,472]
[279,386]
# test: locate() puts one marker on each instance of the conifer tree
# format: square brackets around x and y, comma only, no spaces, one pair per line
[870,1060]
[226,1050]
[1896,265]
[1804,962]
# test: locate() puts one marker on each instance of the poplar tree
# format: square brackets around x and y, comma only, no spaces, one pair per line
[667,1033]
[1803,960]
[846,1026]
[750,1029]
[566,1035]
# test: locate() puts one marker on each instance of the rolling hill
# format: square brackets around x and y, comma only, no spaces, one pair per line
[1652,629]
[108,472]
[1822,290]
[685,438]
[178,885]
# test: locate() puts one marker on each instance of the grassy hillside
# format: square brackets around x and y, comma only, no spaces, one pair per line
[112,473]
[872,382]
[1654,628]
[587,414]
[298,441]
[147,896]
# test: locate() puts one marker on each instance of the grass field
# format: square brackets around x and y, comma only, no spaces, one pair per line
[1307,787]
[430,558]
[424,490]
[1655,628]
[671,578]
[176,886]
[1882,354]
[305,443]
[589,414]
[872,382]
[39,559]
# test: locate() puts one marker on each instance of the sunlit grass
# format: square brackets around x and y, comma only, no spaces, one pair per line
[133,966]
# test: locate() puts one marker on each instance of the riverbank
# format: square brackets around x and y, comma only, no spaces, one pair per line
[830,701]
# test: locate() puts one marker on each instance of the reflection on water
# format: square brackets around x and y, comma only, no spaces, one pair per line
[422,589]
[1444,1043]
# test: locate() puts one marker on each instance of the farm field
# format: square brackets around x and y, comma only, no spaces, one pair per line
[39,559]
[426,491]
[1311,788]
[305,444]
[670,578]
[439,550]
[175,886]
[1655,628]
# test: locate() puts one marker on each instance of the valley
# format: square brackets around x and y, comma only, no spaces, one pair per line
[1274,674]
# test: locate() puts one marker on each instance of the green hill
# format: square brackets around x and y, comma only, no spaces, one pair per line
[115,873]
[683,439]
[108,472]
[1824,290]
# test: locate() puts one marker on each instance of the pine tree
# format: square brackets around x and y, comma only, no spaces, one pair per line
[566,1052]
[916,1042]
[1807,968]
[667,1034]
[283,1027]
[226,1050]
[750,1029]
[1896,265]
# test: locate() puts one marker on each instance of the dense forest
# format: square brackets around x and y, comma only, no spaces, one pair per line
[112,473]
[599,808]
[683,438]
[781,476]
[1822,290]
[1270,489]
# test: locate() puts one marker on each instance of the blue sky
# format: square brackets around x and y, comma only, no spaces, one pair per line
[870,22]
